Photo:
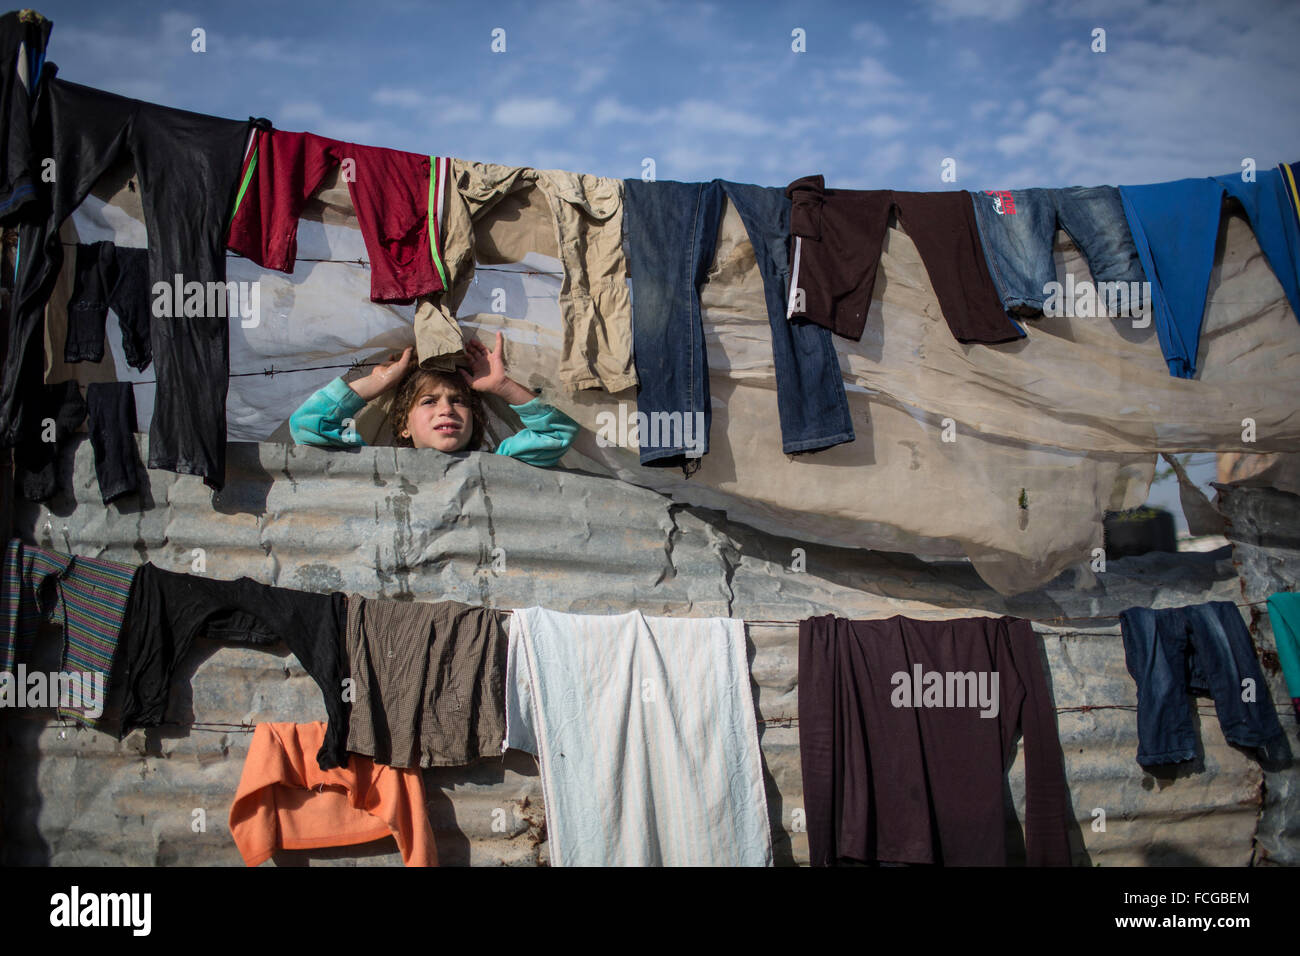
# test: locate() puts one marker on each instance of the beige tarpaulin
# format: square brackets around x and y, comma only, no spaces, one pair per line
[1006,454]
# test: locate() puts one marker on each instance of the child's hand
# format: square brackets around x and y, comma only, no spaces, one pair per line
[487,372]
[383,377]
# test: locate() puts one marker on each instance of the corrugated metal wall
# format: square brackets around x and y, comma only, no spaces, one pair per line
[1264,527]
[405,524]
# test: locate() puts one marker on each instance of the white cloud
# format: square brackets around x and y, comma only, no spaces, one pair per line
[442,109]
[869,73]
[692,163]
[786,165]
[612,110]
[589,77]
[302,111]
[270,50]
[532,113]
[400,96]
[709,115]
[883,125]
[1037,133]
[884,159]
[995,10]
[688,114]
[868,34]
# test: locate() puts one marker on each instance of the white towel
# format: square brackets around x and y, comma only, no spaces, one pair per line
[645,733]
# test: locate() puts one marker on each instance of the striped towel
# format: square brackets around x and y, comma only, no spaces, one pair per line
[645,733]
[87,598]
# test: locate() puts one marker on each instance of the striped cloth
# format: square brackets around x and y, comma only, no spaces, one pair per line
[86,596]
[645,734]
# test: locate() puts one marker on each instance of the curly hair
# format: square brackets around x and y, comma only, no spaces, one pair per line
[413,385]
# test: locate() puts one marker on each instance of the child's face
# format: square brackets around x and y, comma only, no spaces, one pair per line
[439,418]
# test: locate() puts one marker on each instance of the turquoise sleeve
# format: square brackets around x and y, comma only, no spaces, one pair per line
[546,435]
[319,420]
[1284,614]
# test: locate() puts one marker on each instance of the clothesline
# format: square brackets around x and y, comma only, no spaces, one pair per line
[272,371]
[365,262]
[1031,620]
[560,275]
[211,726]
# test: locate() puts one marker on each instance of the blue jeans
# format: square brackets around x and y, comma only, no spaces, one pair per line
[1018,239]
[672,231]
[1204,648]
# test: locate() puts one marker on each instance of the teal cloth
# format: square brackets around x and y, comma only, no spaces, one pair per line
[1284,614]
[546,435]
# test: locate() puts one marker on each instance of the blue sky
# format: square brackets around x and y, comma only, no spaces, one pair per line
[885,91]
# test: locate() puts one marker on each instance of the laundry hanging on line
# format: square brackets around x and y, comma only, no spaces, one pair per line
[188,168]
[1019,573]
[1204,649]
[645,735]
[672,228]
[286,802]
[398,198]
[902,763]
[600,689]
[1175,227]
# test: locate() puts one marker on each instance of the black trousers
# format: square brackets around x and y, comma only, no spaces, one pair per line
[167,610]
[36,461]
[188,169]
[109,277]
[110,413]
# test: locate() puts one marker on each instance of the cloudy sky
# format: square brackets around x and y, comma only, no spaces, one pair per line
[1012,90]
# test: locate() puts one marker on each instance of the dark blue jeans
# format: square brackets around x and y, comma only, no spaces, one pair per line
[1203,648]
[672,231]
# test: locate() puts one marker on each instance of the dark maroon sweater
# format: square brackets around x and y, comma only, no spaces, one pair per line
[892,779]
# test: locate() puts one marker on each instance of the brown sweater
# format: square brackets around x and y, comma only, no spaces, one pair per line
[894,772]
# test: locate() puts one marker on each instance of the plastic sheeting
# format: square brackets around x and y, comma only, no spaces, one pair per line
[1006,454]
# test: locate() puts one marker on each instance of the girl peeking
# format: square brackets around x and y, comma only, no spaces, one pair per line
[441,410]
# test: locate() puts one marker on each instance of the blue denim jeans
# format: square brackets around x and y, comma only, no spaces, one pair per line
[1017,229]
[1202,648]
[672,231]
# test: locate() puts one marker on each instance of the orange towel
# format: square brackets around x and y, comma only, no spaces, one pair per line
[286,801]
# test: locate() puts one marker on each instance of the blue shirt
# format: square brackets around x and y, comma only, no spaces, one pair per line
[547,431]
